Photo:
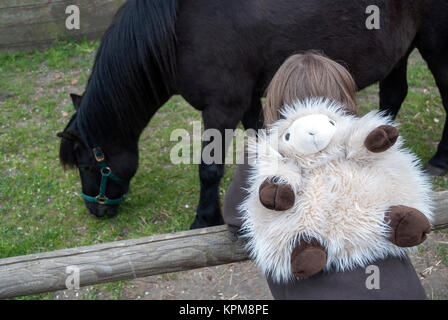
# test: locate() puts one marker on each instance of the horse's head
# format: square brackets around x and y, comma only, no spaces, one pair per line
[105,170]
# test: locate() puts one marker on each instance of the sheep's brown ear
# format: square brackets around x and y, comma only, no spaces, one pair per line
[76,100]
[381,139]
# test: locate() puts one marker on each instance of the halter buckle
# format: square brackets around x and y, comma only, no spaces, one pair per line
[101,200]
[98,154]
[106,171]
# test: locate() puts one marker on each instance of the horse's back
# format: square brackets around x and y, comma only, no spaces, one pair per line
[229,43]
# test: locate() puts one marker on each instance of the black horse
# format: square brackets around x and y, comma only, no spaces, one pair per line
[220,55]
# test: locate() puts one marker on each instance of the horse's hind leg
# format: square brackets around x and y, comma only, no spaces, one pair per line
[438,64]
[253,118]
[394,88]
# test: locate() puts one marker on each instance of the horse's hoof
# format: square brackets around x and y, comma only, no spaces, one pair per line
[195,225]
[307,259]
[201,223]
[381,139]
[274,196]
[434,171]
[409,226]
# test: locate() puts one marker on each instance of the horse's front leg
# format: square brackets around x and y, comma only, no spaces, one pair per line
[211,169]
[208,212]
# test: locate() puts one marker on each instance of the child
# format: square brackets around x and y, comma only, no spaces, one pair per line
[302,76]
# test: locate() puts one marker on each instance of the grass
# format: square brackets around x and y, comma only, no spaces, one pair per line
[442,253]
[40,204]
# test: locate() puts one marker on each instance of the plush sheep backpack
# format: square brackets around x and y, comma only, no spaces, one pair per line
[332,191]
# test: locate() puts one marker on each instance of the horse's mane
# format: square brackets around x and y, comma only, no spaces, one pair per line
[133,73]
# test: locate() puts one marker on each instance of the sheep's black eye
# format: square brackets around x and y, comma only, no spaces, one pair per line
[332,122]
[287,136]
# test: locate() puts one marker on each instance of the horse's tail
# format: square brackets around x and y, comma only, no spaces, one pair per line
[135,68]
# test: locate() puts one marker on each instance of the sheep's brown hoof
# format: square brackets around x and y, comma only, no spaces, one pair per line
[409,226]
[307,259]
[278,197]
[381,139]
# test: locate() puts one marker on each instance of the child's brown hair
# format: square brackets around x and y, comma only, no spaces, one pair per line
[309,75]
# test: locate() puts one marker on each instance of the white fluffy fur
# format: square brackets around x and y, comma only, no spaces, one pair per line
[342,192]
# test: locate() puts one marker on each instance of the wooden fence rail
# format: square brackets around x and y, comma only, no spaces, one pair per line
[130,259]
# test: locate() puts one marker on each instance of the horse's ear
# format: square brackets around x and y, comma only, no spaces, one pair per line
[60,135]
[76,100]
[73,135]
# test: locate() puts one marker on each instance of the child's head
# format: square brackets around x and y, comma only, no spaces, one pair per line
[309,75]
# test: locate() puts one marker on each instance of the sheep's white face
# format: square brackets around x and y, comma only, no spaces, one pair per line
[310,134]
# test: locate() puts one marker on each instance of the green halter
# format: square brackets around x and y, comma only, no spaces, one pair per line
[106,173]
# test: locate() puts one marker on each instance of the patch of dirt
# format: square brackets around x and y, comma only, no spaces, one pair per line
[235,281]
[5,95]
[68,82]
[430,262]
[240,281]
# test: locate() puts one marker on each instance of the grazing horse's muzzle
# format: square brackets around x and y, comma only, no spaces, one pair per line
[102,210]
[100,205]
